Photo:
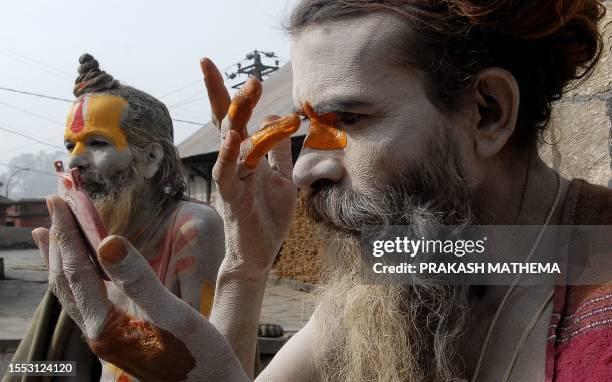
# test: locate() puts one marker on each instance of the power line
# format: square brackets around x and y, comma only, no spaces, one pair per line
[39,67]
[200,94]
[190,84]
[32,113]
[181,88]
[28,169]
[64,100]
[190,122]
[187,110]
[35,94]
[30,144]
[42,63]
[30,138]
[184,100]
[201,97]
[186,121]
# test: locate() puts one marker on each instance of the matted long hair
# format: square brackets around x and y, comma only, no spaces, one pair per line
[545,44]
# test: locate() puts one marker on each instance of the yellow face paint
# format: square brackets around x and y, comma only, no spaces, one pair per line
[323,134]
[95,115]
[207,295]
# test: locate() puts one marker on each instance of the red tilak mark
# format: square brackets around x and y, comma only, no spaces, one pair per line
[77,120]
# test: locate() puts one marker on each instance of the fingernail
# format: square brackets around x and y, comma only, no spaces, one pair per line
[49,206]
[203,65]
[249,87]
[112,251]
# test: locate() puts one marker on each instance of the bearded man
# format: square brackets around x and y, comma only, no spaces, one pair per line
[421,114]
[121,140]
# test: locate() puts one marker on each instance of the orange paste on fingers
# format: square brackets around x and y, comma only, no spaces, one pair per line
[265,139]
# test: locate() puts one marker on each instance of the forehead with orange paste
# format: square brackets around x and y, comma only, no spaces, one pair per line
[96,115]
[323,134]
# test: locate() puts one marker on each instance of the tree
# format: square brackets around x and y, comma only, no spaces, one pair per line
[39,181]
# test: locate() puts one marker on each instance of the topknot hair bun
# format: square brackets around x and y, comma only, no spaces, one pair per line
[91,78]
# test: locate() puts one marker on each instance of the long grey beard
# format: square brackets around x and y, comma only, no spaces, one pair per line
[116,199]
[390,332]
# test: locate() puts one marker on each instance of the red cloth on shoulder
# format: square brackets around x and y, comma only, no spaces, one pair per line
[580,336]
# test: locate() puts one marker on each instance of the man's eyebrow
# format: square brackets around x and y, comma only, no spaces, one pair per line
[336,104]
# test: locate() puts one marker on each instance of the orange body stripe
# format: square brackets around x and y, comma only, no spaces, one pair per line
[207,295]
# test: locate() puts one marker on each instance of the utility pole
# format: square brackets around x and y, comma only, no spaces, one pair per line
[257,69]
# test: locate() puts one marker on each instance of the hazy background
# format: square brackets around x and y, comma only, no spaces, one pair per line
[152,45]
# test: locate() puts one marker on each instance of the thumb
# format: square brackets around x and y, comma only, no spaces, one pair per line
[133,275]
[41,238]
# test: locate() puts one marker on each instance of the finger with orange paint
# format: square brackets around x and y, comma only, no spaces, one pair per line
[323,134]
[241,108]
[218,96]
[255,197]
[229,114]
[267,137]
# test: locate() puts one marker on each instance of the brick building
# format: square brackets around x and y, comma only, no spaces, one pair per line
[4,204]
[30,213]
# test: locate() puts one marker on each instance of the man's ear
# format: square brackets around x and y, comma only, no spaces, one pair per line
[496,94]
[153,156]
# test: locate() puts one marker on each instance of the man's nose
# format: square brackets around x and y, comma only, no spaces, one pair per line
[314,166]
[79,161]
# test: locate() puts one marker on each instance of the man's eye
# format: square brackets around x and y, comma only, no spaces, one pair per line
[349,119]
[97,143]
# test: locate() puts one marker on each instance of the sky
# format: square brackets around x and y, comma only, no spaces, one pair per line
[152,45]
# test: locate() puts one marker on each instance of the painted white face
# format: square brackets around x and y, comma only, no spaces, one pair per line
[94,140]
[343,67]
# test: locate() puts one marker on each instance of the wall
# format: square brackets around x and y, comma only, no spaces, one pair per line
[581,125]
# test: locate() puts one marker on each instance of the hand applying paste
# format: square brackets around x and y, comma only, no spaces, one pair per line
[239,111]
[258,208]
[269,136]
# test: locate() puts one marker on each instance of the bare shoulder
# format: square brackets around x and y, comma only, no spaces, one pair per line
[194,217]
[296,361]
[198,227]
[197,211]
